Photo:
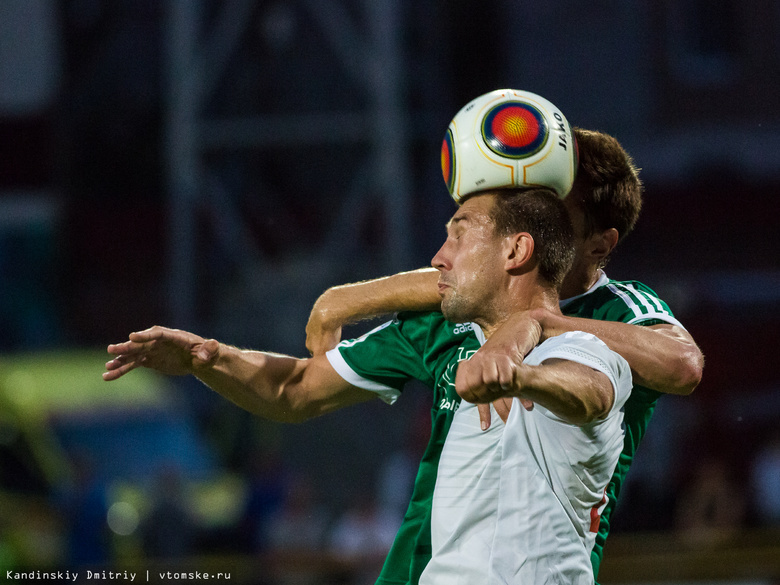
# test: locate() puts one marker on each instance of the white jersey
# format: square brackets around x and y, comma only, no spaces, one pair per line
[519,504]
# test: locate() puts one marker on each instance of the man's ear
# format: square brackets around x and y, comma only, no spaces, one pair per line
[520,249]
[600,245]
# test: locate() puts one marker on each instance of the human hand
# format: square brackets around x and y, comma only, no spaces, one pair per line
[485,378]
[496,361]
[169,351]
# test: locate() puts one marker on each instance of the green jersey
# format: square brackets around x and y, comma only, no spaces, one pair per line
[428,348]
[626,302]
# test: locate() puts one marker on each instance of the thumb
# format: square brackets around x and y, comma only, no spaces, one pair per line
[207,352]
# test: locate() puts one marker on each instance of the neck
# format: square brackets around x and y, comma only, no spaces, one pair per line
[535,297]
[578,282]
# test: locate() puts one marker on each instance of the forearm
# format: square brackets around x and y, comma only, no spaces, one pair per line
[406,291]
[279,387]
[663,358]
[261,383]
[274,386]
[574,392]
[350,303]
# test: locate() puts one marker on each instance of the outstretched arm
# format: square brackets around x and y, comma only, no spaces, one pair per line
[350,303]
[273,386]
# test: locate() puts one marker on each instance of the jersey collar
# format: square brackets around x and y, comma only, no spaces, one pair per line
[602,280]
[479,334]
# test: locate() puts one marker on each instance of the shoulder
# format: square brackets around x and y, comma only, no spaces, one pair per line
[642,304]
[589,350]
[627,301]
[408,323]
[575,346]
[633,289]
[424,334]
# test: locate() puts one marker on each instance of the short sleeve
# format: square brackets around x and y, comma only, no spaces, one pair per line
[589,350]
[384,359]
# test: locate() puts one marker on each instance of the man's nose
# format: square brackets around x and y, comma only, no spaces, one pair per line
[439,261]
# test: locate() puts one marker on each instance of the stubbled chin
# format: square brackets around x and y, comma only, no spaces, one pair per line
[445,308]
[450,310]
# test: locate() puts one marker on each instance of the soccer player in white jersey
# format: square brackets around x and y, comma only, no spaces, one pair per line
[604,205]
[511,505]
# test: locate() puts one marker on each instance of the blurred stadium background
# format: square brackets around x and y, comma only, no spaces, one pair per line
[215,165]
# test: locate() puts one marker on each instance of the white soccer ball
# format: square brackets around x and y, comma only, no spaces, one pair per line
[508,138]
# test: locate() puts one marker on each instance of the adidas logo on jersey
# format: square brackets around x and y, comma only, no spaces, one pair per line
[462,328]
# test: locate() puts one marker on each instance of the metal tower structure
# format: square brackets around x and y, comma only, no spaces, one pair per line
[365,40]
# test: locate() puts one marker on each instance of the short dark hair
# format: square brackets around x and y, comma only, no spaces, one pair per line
[544,216]
[607,187]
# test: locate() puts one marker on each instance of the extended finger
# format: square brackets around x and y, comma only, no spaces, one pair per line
[131,347]
[117,368]
[484,416]
[503,406]
[124,359]
[150,334]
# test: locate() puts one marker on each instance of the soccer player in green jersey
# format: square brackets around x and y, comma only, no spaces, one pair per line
[506,251]
[604,204]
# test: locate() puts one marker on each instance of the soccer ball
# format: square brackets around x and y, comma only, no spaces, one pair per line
[508,138]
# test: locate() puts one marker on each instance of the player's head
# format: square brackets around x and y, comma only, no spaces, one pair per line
[495,236]
[542,215]
[607,191]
